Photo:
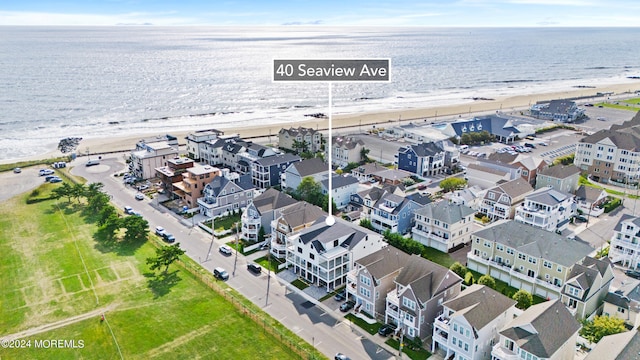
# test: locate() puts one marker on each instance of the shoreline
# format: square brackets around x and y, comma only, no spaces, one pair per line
[439,113]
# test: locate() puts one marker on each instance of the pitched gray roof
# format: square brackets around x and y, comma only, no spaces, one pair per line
[272,199]
[384,262]
[426,278]
[626,218]
[486,169]
[588,193]
[547,196]
[622,346]
[301,213]
[621,139]
[310,167]
[445,211]
[278,159]
[347,142]
[536,242]
[338,181]
[425,149]
[543,328]
[320,233]
[479,304]
[515,188]
[560,171]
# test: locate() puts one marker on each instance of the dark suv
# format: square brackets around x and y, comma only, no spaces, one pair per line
[254,268]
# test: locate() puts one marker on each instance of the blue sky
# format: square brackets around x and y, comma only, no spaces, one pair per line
[328,12]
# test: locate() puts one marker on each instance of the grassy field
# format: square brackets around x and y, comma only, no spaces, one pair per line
[53,273]
[629,104]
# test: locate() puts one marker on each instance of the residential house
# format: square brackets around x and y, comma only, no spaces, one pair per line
[560,177]
[212,151]
[546,208]
[293,175]
[624,246]
[253,152]
[197,142]
[224,196]
[624,303]
[194,181]
[563,110]
[342,187]
[420,289]
[324,254]
[622,346]
[261,212]
[391,177]
[372,277]
[394,213]
[147,157]
[610,155]
[444,226]
[587,286]
[501,201]
[172,172]
[290,220]
[469,196]
[485,177]
[425,159]
[311,138]
[526,257]
[365,173]
[469,324]
[545,331]
[530,166]
[591,200]
[496,125]
[345,150]
[267,172]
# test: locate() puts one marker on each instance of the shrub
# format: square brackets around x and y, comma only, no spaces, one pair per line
[612,204]
[468,278]
[459,269]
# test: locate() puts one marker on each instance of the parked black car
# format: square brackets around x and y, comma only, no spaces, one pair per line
[348,305]
[580,218]
[632,273]
[386,329]
[254,268]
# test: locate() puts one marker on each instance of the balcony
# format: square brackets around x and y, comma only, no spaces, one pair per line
[442,322]
[502,353]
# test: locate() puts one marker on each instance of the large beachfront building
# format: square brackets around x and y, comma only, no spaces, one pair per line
[198,141]
[561,110]
[147,157]
[300,139]
[611,155]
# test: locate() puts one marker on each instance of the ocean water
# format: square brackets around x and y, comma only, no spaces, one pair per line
[57,82]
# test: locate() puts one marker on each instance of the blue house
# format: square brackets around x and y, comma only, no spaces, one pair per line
[498,126]
[266,172]
[396,213]
[426,159]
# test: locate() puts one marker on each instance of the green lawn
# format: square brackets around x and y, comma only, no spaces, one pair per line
[44,280]
[629,104]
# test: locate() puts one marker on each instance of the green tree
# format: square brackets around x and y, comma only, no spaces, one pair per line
[137,229]
[600,327]
[458,268]
[97,202]
[165,256]
[364,152]
[452,183]
[261,234]
[524,299]
[468,278]
[106,214]
[63,191]
[487,280]
[78,191]
[366,224]
[109,223]
[300,146]
[310,191]
[93,189]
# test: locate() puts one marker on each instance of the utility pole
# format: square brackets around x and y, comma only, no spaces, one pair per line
[266,300]
[235,261]
[213,237]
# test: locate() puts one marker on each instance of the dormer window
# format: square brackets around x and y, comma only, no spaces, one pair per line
[471,128]
[464,129]
[479,127]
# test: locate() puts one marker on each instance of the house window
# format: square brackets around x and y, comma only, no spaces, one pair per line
[574,291]
[365,292]
[312,256]
[547,264]
[299,249]
[409,303]
[510,251]
[365,280]
[499,247]
[492,196]
[621,310]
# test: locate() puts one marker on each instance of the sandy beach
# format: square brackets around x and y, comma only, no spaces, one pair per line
[436,113]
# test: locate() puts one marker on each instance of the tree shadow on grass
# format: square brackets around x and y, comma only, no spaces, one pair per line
[65,207]
[161,284]
[106,244]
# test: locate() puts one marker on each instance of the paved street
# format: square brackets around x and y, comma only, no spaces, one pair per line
[318,324]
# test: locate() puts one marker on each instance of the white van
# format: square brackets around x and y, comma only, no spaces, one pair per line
[464,148]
